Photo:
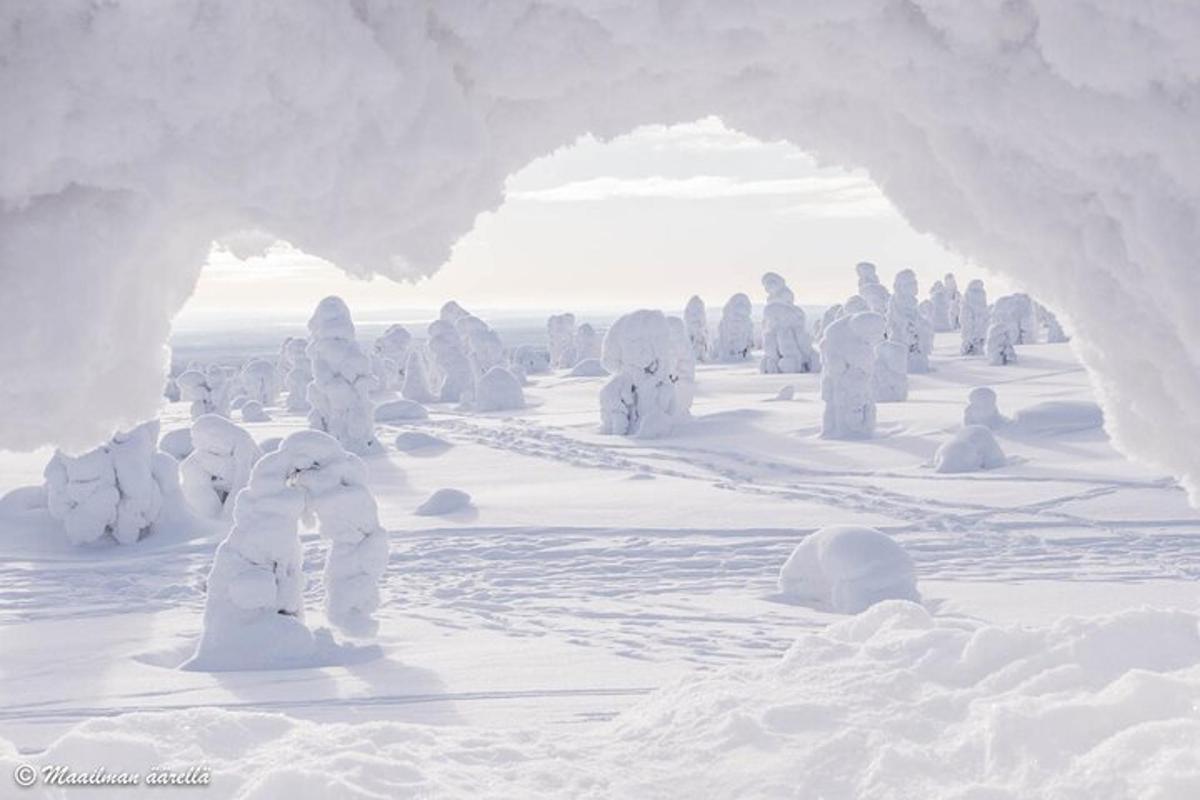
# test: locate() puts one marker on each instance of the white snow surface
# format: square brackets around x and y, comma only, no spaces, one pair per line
[970,449]
[847,569]
[400,411]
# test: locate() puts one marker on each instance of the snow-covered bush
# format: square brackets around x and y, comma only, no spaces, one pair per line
[970,449]
[847,364]
[531,359]
[777,289]
[735,331]
[118,490]
[640,398]
[340,391]
[299,375]
[561,330]
[982,409]
[587,343]
[206,389]
[695,317]
[1004,331]
[252,411]
[260,382]
[444,501]
[400,411]
[416,382]
[218,466]
[453,378]
[682,371]
[391,356]
[787,347]
[906,325]
[497,390]
[890,378]
[847,569]
[481,344]
[254,608]
[939,308]
[953,299]
[1049,326]
[973,317]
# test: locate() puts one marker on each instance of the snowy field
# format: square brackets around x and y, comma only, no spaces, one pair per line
[603,618]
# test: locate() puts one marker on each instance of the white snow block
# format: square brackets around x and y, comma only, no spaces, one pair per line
[414,441]
[971,449]
[400,411]
[444,501]
[848,568]
[1057,417]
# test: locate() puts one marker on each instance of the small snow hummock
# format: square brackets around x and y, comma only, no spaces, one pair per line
[787,346]
[391,356]
[1057,417]
[254,607]
[1004,331]
[176,443]
[260,382]
[531,359]
[695,317]
[118,490]
[735,331]
[848,361]
[785,393]
[561,331]
[400,411]
[218,466]
[847,569]
[299,375]
[906,325]
[340,391]
[444,501]
[589,368]
[453,377]
[252,411]
[497,390]
[414,441]
[640,399]
[973,316]
[416,385]
[587,343]
[971,449]
[982,409]
[890,378]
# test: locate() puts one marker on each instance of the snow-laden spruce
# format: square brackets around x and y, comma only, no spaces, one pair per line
[219,465]
[340,391]
[683,368]
[207,389]
[452,378]
[254,606]
[1027,325]
[973,317]
[970,449]
[252,411]
[416,385]
[735,331]
[561,331]
[531,359]
[480,343]
[391,356]
[498,389]
[939,308]
[787,346]
[847,569]
[848,362]
[299,375]
[1003,330]
[890,378]
[874,293]
[260,382]
[1049,326]
[587,343]
[982,409]
[953,299]
[695,318]
[906,325]
[777,289]
[117,491]
[640,398]
[855,304]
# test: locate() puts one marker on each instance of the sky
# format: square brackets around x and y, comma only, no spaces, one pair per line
[644,220]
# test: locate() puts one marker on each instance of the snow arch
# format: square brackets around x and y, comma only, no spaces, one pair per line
[1051,139]
[254,607]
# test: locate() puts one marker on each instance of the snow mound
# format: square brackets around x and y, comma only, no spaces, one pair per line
[400,411]
[1057,417]
[177,443]
[411,441]
[252,411]
[498,390]
[444,501]
[786,393]
[982,409]
[589,368]
[848,568]
[531,359]
[969,450]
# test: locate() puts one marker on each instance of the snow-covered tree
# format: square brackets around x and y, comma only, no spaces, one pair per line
[640,398]
[340,391]
[953,299]
[1027,323]
[531,359]
[587,343]
[855,304]
[260,382]
[847,364]
[218,466]
[480,343]
[735,332]
[870,289]
[890,377]
[299,375]
[777,289]
[1048,323]
[498,389]
[905,323]
[416,384]
[695,319]
[119,490]
[787,347]
[682,371]
[561,330]
[207,389]
[451,312]
[973,317]
[970,449]
[982,409]
[252,411]
[827,318]
[453,378]
[391,356]
[939,308]
[1004,330]
[254,607]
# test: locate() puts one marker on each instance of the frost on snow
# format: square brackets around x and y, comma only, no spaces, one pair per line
[906,325]
[735,331]
[982,409]
[254,608]
[848,359]
[260,382]
[970,449]
[561,330]
[695,317]
[973,316]
[890,378]
[640,398]
[391,356]
[342,379]
[1004,331]
[787,347]
[497,390]
[117,490]
[218,466]
[587,343]
[848,568]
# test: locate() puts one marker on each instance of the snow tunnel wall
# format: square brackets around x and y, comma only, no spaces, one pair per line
[1054,140]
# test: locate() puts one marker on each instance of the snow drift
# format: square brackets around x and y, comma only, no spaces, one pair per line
[848,568]
[1052,139]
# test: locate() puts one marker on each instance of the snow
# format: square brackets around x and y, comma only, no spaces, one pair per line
[905,323]
[410,441]
[339,393]
[847,569]
[1004,331]
[982,409]
[498,390]
[177,443]
[391,354]
[252,411]
[561,330]
[452,377]
[970,449]
[259,382]
[848,356]
[787,346]
[443,502]
[299,374]
[481,344]
[206,390]
[973,317]
[416,383]
[531,359]
[890,377]
[695,317]
[400,411]
[641,398]
[218,466]
[589,368]
[735,331]
[1057,417]
[587,343]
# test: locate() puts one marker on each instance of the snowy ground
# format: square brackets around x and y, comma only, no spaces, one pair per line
[590,572]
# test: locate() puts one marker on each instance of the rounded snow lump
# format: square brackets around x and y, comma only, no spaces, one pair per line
[444,501]
[589,368]
[971,449]
[848,568]
[252,411]
[400,411]
[409,441]
[498,390]
[1056,417]
[177,443]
